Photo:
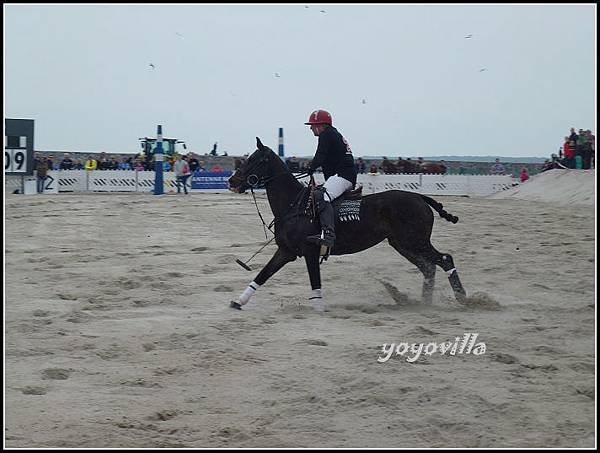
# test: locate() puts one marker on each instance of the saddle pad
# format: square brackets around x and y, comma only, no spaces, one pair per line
[348,210]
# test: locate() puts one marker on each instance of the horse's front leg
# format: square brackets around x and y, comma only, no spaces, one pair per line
[314,273]
[280,259]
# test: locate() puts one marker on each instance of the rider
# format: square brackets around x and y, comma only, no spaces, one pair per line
[335,157]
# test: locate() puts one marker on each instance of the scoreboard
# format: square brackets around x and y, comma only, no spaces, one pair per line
[18,147]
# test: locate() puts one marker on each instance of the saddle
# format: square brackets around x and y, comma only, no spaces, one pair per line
[352,194]
[346,207]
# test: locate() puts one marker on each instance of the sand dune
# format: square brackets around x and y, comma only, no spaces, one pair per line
[119,334]
[560,187]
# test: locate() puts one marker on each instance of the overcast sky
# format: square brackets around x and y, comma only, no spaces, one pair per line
[399,80]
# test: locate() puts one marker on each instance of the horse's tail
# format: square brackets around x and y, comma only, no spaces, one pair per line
[439,207]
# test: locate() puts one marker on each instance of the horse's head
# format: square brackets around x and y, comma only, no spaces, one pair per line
[255,171]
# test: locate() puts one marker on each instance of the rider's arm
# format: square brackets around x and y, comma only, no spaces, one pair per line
[320,154]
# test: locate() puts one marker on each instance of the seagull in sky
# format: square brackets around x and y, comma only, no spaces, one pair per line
[483,69]
[322,11]
[468,36]
[179,34]
[277,74]
[364,101]
[152,66]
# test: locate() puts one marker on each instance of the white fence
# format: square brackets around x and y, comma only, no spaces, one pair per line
[143,181]
[461,185]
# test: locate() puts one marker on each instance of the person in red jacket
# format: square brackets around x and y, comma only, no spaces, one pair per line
[524,176]
[569,153]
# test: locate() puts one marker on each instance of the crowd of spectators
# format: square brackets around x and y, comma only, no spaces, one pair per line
[134,163]
[578,150]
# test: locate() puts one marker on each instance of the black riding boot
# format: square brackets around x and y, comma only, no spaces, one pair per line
[326,216]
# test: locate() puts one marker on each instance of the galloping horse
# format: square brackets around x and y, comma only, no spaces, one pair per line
[403,218]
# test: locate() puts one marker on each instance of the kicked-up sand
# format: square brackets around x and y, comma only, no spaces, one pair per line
[118,331]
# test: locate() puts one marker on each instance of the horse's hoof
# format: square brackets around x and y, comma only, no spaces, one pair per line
[319,306]
[461,298]
[234,304]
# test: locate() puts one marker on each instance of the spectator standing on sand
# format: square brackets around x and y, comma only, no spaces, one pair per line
[182,172]
[524,176]
[41,168]
[569,153]
[573,136]
[497,168]
[586,150]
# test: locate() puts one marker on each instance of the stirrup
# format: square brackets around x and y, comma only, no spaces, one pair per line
[324,253]
[314,239]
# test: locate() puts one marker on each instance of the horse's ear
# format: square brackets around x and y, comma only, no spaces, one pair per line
[259,144]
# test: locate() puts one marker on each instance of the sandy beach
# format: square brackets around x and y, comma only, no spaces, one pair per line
[118,331]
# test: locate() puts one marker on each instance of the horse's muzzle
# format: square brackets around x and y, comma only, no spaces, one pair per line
[235,182]
[237,188]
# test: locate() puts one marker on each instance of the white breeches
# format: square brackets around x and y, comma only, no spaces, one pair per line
[336,185]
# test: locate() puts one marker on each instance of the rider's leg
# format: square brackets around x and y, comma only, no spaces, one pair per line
[326,217]
[333,188]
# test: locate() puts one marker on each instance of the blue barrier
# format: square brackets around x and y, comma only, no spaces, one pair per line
[210,179]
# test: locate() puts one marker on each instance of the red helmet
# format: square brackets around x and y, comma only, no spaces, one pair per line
[319,117]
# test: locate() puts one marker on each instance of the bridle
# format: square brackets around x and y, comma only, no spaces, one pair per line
[255,182]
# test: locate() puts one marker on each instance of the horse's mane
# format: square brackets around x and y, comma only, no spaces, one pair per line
[301,205]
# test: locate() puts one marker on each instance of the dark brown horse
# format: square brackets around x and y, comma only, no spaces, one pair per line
[433,168]
[407,166]
[403,218]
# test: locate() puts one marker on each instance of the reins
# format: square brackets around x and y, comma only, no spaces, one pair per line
[265,181]
[254,182]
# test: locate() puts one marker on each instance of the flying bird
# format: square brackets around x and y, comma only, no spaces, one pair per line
[277,74]
[322,11]
[152,66]
[468,36]
[483,69]
[179,34]
[364,101]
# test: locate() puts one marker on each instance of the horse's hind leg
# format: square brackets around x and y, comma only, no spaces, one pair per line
[425,265]
[445,261]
